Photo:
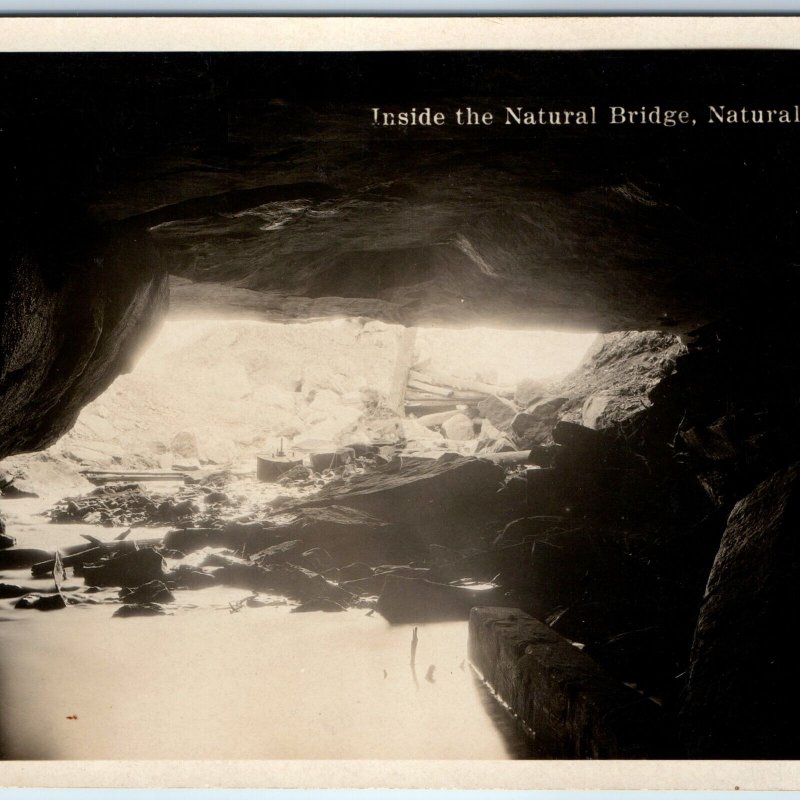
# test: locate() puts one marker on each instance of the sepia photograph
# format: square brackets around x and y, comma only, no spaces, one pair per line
[399,404]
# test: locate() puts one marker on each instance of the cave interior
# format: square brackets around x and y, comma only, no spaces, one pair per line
[650,521]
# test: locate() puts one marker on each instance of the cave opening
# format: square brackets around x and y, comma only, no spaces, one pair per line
[398,480]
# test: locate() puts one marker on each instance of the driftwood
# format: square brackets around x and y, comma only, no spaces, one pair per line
[79,554]
[99,478]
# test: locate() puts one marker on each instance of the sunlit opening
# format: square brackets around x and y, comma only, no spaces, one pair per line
[217,392]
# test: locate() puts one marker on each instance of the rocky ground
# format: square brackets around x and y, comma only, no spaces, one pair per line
[564,520]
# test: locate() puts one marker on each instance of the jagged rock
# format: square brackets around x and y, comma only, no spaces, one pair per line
[150,592]
[348,534]
[279,553]
[413,600]
[499,411]
[41,602]
[739,702]
[437,500]
[130,569]
[6,541]
[139,610]
[535,425]
[459,427]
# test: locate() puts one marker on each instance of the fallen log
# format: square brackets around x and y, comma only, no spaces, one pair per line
[506,459]
[465,384]
[112,476]
[430,388]
[79,554]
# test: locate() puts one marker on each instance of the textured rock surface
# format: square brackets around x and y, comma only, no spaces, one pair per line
[268,192]
[573,707]
[740,702]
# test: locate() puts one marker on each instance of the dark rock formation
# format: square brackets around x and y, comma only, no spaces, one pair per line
[269,192]
[572,706]
[739,702]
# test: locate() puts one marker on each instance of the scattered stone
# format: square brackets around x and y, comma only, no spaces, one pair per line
[41,602]
[6,540]
[151,592]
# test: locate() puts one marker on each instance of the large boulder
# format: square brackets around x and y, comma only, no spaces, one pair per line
[741,701]
[443,498]
[499,411]
[535,426]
